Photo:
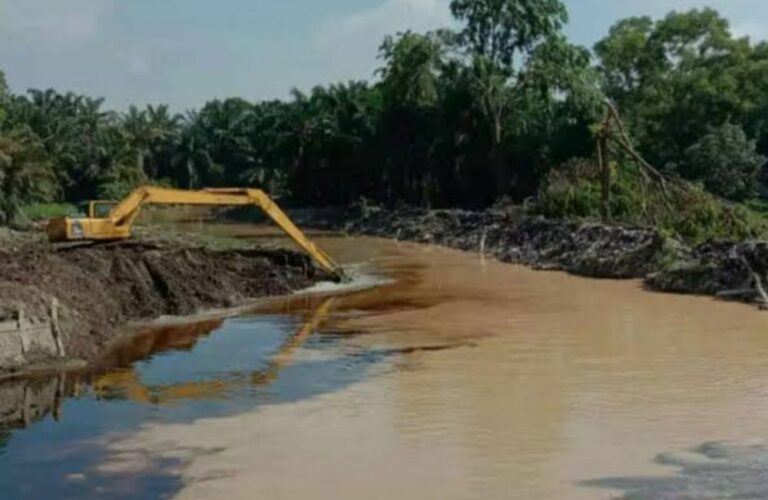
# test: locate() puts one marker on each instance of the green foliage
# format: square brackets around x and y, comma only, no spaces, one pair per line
[498,30]
[25,174]
[727,163]
[573,191]
[411,76]
[516,58]
[120,181]
[3,87]
[3,97]
[44,211]
[677,78]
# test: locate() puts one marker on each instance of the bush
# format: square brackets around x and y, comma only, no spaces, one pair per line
[120,180]
[573,191]
[43,211]
[726,162]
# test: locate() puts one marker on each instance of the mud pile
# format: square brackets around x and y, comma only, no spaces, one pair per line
[593,250]
[717,268]
[95,290]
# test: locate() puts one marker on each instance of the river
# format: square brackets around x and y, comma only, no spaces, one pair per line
[457,377]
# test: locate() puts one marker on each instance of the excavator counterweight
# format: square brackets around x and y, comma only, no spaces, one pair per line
[118,222]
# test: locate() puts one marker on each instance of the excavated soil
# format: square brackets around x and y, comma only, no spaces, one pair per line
[101,288]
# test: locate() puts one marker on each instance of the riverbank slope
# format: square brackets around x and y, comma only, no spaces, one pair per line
[69,304]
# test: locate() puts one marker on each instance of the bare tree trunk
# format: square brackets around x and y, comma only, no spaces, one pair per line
[501,176]
[140,161]
[605,177]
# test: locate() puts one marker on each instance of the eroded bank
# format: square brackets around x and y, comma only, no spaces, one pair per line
[67,306]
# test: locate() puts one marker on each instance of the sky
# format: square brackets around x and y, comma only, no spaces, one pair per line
[184,52]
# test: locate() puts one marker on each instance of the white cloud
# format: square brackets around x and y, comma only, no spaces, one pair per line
[347,46]
[754,30]
[53,21]
[389,17]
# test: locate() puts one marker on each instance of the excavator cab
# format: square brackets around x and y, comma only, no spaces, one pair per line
[99,209]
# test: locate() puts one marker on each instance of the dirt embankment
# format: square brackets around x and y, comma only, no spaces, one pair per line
[71,303]
[727,269]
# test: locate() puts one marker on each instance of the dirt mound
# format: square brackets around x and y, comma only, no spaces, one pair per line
[100,288]
[717,268]
[593,250]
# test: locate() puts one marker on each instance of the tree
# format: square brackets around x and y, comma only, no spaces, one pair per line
[498,36]
[411,80]
[3,86]
[227,128]
[69,127]
[411,73]
[4,96]
[191,160]
[727,163]
[501,31]
[152,133]
[679,77]
[329,136]
[25,174]
[119,172]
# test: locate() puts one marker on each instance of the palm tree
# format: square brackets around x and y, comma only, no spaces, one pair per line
[137,128]
[192,158]
[152,133]
[25,174]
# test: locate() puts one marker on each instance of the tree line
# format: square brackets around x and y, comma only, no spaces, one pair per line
[461,117]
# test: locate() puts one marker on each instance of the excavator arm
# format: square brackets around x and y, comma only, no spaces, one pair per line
[117,225]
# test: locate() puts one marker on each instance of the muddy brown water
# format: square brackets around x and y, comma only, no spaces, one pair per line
[459,378]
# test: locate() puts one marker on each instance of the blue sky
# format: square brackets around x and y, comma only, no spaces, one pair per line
[184,52]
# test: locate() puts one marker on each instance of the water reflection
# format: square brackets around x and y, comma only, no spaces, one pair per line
[128,384]
[53,428]
[23,402]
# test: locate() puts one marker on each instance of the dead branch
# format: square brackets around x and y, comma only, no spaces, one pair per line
[758,283]
[761,291]
[739,292]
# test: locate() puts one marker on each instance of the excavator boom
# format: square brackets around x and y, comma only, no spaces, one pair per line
[117,224]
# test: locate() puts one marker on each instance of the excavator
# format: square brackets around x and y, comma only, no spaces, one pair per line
[116,224]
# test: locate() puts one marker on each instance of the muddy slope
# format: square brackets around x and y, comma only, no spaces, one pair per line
[727,269]
[97,289]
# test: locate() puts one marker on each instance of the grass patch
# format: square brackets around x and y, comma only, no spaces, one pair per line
[759,206]
[43,211]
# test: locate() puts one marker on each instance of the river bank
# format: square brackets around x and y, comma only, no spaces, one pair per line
[733,270]
[66,306]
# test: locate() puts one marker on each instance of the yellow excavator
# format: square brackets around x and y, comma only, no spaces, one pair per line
[116,225]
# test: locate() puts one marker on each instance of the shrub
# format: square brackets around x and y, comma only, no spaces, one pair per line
[726,162]
[688,211]
[43,211]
